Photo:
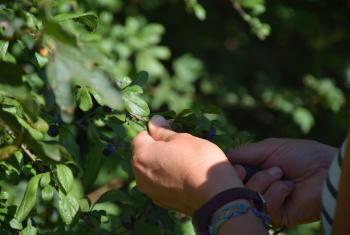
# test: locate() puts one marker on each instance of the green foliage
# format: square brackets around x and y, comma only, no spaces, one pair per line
[80,78]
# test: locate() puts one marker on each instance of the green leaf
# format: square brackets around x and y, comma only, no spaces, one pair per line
[68,207]
[90,20]
[70,67]
[133,90]
[84,99]
[40,60]
[114,195]
[47,193]
[7,151]
[133,103]
[29,230]
[92,163]
[141,78]
[3,48]
[65,177]
[56,31]
[200,12]
[15,224]
[123,82]
[45,179]
[29,199]
[96,96]
[303,118]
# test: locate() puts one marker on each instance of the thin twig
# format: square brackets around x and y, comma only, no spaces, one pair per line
[240,10]
[27,151]
[22,146]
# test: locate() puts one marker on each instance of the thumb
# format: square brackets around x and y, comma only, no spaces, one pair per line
[159,128]
[252,154]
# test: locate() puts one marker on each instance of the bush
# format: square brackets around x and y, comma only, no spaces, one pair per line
[79,78]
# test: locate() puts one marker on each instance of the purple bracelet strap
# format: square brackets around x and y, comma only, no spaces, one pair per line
[202,217]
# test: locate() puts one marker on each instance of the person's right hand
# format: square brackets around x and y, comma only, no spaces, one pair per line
[304,162]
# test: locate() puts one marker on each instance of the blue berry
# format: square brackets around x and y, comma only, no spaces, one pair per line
[106,109]
[210,135]
[109,149]
[53,130]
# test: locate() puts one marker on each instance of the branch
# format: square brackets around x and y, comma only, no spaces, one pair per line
[114,184]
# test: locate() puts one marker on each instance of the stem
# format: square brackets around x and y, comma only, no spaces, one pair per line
[17,142]
[240,10]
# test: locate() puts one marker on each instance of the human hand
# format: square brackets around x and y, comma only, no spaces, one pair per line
[305,163]
[180,171]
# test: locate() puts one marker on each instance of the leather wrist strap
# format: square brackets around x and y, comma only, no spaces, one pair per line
[202,217]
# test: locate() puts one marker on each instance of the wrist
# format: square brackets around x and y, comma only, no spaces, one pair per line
[211,181]
[203,216]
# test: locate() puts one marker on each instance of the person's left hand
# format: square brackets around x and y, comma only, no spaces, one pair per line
[180,171]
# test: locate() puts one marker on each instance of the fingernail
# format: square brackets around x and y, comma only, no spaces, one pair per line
[275,172]
[159,121]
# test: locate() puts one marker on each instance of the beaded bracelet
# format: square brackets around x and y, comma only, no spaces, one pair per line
[232,211]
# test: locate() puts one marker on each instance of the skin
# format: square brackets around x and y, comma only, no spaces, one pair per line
[304,162]
[182,172]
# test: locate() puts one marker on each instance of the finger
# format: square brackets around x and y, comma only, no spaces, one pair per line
[262,180]
[240,171]
[142,139]
[275,197]
[160,129]
[255,153]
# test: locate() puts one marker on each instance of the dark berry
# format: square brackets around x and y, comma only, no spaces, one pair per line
[129,224]
[210,135]
[250,170]
[57,118]
[53,130]
[110,149]
[106,109]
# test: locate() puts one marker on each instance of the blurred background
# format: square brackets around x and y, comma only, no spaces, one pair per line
[275,69]
[291,84]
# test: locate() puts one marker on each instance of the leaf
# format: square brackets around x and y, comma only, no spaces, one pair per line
[56,31]
[7,151]
[141,78]
[3,48]
[70,67]
[29,199]
[304,119]
[45,179]
[90,20]
[133,103]
[40,61]
[47,193]
[65,177]
[92,163]
[68,207]
[133,90]
[29,230]
[114,195]
[200,12]
[96,96]
[84,99]
[188,68]
[123,82]
[15,224]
